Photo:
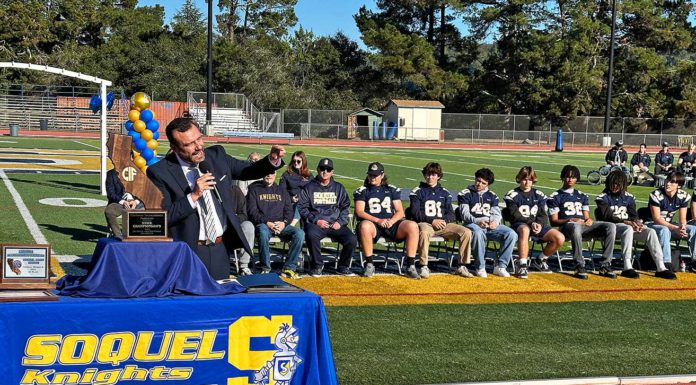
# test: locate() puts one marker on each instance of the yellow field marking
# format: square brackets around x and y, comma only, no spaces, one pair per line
[56,269]
[450,289]
[88,162]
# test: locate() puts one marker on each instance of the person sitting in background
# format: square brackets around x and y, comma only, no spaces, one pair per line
[664,202]
[686,160]
[294,178]
[244,184]
[618,206]
[324,206]
[616,156]
[119,201]
[270,209]
[640,165]
[480,213]
[570,211]
[240,206]
[527,208]
[664,160]
[380,213]
[431,207]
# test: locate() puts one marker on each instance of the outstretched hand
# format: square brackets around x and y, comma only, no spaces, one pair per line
[277,152]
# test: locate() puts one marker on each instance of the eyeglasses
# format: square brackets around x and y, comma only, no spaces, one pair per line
[324,169]
[297,161]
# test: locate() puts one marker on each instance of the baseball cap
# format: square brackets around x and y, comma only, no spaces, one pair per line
[665,144]
[619,143]
[375,168]
[325,163]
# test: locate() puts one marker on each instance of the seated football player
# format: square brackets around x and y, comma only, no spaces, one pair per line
[618,206]
[570,211]
[640,165]
[480,213]
[686,160]
[527,208]
[664,203]
[380,213]
[664,160]
[616,156]
[431,207]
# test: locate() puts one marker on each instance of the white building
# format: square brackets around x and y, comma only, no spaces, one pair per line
[416,119]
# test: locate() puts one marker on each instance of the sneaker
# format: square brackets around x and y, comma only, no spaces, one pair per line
[606,271]
[481,273]
[265,270]
[666,274]
[345,271]
[411,272]
[463,271]
[425,272]
[245,271]
[540,265]
[693,267]
[369,270]
[580,271]
[289,273]
[501,272]
[316,272]
[630,273]
[522,272]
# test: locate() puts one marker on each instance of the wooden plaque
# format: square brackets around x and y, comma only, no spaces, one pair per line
[27,295]
[25,266]
[145,225]
[134,181]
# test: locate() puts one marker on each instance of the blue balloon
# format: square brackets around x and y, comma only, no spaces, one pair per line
[109,100]
[95,103]
[141,145]
[147,153]
[155,135]
[152,161]
[135,135]
[129,125]
[146,115]
[152,125]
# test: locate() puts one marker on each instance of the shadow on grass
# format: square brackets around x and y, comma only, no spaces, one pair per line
[78,187]
[79,234]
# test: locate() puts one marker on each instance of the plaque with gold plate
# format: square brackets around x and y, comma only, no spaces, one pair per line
[145,226]
[25,273]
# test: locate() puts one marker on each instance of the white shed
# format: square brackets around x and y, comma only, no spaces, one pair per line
[416,119]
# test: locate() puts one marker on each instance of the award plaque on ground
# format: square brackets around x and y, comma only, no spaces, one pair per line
[25,273]
[145,226]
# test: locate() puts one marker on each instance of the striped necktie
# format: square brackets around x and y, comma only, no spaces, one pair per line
[206,201]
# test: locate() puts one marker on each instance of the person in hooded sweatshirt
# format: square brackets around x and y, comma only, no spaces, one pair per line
[431,207]
[270,209]
[480,213]
[324,208]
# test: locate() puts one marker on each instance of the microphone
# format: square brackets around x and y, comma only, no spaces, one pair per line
[204,167]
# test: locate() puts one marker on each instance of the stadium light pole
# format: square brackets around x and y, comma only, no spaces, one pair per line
[209,85]
[610,76]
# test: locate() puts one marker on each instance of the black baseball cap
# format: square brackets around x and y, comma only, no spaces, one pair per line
[375,168]
[325,163]
[619,143]
[665,144]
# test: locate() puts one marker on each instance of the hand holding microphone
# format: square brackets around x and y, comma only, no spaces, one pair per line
[209,181]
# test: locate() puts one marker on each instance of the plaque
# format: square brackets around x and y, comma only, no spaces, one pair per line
[27,295]
[145,225]
[25,267]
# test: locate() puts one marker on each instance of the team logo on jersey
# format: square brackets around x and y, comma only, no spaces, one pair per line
[285,360]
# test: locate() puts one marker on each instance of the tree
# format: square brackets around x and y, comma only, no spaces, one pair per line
[255,17]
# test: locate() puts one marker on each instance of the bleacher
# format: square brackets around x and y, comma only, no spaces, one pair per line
[224,119]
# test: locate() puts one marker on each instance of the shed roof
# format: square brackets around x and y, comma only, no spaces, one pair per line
[417,103]
[369,110]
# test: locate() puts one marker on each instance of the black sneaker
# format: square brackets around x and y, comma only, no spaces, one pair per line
[580,272]
[693,267]
[345,271]
[630,273]
[522,272]
[666,274]
[606,271]
[540,265]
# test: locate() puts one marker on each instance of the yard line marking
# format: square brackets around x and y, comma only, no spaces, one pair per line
[518,292]
[85,144]
[23,210]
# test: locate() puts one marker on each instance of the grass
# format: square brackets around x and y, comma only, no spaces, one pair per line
[426,344]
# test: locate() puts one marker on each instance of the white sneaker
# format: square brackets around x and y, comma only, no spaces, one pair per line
[463,271]
[482,273]
[425,272]
[501,272]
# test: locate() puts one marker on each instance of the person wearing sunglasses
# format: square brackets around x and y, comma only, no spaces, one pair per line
[292,180]
[323,207]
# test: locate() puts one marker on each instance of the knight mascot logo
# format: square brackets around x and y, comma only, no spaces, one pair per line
[285,359]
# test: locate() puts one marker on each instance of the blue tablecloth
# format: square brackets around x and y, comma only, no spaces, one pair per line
[143,269]
[240,339]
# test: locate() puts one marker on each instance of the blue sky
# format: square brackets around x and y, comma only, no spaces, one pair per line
[321,17]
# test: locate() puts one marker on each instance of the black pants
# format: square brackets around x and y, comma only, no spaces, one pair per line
[216,260]
[345,237]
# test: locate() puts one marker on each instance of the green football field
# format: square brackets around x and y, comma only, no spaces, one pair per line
[405,344]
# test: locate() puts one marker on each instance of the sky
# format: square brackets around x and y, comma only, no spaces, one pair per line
[323,17]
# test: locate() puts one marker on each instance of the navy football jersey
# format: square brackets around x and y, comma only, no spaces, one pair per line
[526,207]
[478,205]
[568,205]
[669,206]
[378,199]
[616,208]
[430,203]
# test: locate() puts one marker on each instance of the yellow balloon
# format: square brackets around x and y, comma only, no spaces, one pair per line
[141,100]
[133,115]
[140,161]
[144,169]
[136,153]
[152,145]
[146,135]
[139,126]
